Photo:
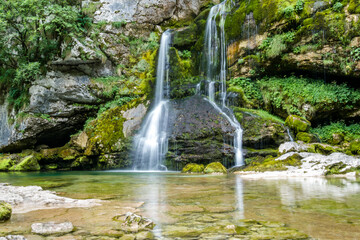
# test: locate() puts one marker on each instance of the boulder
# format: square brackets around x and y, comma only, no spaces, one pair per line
[5,211]
[51,228]
[193,168]
[306,137]
[29,163]
[215,167]
[355,147]
[292,147]
[136,223]
[260,132]
[298,124]
[197,134]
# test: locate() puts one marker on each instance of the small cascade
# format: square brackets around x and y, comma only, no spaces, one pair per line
[215,71]
[151,144]
[289,134]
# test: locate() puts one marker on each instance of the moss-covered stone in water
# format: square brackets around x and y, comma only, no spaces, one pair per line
[5,211]
[6,164]
[270,164]
[355,147]
[215,167]
[193,168]
[297,123]
[306,137]
[29,163]
[81,163]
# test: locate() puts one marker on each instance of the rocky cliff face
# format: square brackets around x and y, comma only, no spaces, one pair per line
[199,134]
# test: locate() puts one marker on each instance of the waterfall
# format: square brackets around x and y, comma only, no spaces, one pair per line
[151,143]
[215,70]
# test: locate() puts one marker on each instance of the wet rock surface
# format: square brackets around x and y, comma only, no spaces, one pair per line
[25,199]
[198,133]
[51,228]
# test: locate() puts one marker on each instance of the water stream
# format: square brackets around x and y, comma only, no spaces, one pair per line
[151,144]
[215,70]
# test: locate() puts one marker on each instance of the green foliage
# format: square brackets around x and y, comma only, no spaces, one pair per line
[261,113]
[299,6]
[31,33]
[355,54]
[290,93]
[184,54]
[288,12]
[274,46]
[250,88]
[325,133]
[337,7]
[119,24]
[354,6]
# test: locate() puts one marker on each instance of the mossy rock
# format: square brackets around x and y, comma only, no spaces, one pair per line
[355,147]
[306,137]
[323,149]
[193,168]
[68,154]
[271,164]
[5,211]
[81,163]
[297,123]
[29,163]
[6,164]
[337,138]
[215,167]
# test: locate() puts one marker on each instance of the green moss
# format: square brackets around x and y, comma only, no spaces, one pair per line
[193,168]
[354,7]
[5,211]
[29,163]
[81,163]
[355,147]
[306,137]
[215,167]
[297,123]
[6,164]
[270,164]
[323,149]
[106,132]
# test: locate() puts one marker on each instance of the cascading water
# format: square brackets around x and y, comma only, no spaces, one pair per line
[151,144]
[215,69]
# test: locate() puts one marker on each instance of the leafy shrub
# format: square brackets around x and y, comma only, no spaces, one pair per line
[277,44]
[291,93]
[350,132]
[288,12]
[299,6]
[355,54]
[250,88]
[337,7]
[185,54]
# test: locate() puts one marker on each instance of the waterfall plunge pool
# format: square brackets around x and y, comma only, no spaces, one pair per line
[323,208]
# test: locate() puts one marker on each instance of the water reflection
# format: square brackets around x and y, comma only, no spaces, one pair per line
[239,193]
[153,192]
[300,189]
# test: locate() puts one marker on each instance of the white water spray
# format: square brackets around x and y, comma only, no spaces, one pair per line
[215,69]
[151,144]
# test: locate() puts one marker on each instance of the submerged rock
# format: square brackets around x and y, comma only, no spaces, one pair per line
[5,211]
[215,167]
[26,199]
[13,237]
[137,223]
[51,228]
[193,168]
